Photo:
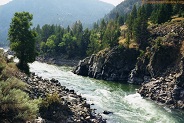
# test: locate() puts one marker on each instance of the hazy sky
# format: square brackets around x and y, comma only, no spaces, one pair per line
[4,1]
[114,2]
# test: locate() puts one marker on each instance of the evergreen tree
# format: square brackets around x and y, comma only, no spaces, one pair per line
[85,42]
[161,13]
[149,9]
[95,26]
[131,19]
[178,9]
[46,32]
[111,35]
[22,39]
[121,20]
[59,36]
[94,44]
[77,29]
[134,12]
[140,31]
[127,42]
[102,28]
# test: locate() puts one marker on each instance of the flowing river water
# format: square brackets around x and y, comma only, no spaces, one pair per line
[121,99]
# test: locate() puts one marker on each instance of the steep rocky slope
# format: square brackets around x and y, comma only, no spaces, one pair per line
[115,64]
[159,68]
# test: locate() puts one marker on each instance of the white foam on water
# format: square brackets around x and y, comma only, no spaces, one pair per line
[147,111]
[126,107]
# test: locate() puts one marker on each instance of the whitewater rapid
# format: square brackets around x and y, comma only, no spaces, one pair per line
[121,99]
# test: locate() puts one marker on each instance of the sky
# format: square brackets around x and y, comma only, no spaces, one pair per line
[4,1]
[114,2]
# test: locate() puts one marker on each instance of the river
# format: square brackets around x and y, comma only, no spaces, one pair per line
[121,99]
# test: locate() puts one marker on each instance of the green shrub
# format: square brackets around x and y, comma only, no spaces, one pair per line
[53,109]
[141,53]
[16,106]
[158,42]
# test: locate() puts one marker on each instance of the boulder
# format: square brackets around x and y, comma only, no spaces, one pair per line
[107,112]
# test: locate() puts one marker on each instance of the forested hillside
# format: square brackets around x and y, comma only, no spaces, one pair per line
[60,12]
[123,8]
[132,31]
[124,30]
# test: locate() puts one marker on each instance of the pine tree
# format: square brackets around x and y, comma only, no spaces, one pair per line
[22,39]
[111,35]
[162,13]
[140,31]
[131,19]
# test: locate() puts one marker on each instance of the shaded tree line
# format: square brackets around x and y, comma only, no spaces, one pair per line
[74,41]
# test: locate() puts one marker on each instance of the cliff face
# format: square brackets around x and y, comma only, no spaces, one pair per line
[112,65]
[159,69]
[163,56]
[164,67]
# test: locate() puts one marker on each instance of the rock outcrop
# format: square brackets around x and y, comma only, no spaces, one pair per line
[112,65]
[164,54]
[60,61]
[162,65]
[164,90]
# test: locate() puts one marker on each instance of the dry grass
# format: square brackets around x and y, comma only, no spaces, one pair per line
[133,45]
[7,69]
[124,27]
[182,48]
[11,69]
[150,23]
[122,40]
[103,52]
[176,18]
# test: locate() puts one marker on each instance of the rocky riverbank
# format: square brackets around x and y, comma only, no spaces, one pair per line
[58,61]
[74,107]
[158,68]
[164,90]
[63,106]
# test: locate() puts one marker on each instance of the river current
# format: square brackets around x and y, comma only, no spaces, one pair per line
[121,99]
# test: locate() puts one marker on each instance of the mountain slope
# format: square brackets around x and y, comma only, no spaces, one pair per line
[60,12]
[123,8]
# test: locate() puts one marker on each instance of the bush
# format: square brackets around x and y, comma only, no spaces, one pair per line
[16,106]
[2,61]
[141,53]
[53,109]
[158,42]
